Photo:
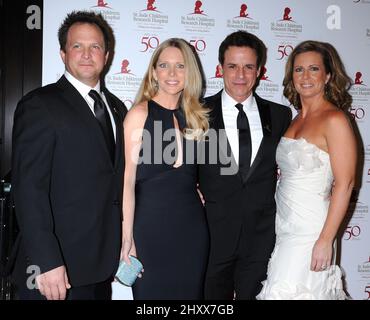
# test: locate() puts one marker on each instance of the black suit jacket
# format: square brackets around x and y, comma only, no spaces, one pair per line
[66,189]
[234,205]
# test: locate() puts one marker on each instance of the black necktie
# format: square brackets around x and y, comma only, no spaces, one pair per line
[245,143]
[102,115]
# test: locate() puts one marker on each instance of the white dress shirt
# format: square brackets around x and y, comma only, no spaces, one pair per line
[230,114]
[84,90]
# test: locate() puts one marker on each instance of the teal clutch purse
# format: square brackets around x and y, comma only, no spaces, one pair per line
[127,273]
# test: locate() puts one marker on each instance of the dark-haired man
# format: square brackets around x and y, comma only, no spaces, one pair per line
[67,172]
[240,203]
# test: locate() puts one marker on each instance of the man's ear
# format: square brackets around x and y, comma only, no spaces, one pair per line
[106,57]
[258,72]
[62,55]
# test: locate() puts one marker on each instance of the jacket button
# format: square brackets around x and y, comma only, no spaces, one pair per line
[116,203]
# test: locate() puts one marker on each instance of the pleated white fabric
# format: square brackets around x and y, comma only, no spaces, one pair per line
[302,199]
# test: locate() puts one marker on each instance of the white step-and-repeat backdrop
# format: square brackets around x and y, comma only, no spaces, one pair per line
[140,25]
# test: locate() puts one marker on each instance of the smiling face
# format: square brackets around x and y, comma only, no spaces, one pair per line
[85,54]
[240,72]
[309,75]
[170,72]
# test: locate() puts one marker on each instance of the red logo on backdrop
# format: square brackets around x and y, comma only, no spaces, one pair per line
[124,67]
[264,75]
[286,27]
[102,4]
[368,172]
[358,77]
[286,15]
[218,73]
[198,8]
[150,6]
[243,11]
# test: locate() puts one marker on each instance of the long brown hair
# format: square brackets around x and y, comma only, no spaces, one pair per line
[336,90]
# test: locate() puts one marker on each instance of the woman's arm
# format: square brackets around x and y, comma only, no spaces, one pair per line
[133,131]
[342,149]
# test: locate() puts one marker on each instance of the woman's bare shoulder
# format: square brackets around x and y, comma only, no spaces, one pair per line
[334,116]
[137,114]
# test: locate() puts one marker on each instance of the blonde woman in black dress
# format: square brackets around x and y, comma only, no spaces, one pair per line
[164,222]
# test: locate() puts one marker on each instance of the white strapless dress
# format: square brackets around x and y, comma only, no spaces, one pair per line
[302,200]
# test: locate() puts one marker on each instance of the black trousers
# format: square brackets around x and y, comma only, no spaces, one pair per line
[235,279]
[237,276]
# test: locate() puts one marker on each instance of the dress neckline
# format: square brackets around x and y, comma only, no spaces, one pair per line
[161,107]
[304,140]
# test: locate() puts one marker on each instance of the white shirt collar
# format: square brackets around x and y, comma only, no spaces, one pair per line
[82,88]
[228,101]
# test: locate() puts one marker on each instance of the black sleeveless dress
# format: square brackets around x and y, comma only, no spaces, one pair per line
[170,229]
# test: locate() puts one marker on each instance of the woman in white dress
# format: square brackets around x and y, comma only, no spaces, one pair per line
[317,159]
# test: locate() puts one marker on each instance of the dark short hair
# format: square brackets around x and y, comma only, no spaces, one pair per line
[85,17]
[243,39]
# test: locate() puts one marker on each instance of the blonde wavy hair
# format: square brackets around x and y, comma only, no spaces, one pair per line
[195,113]
[336,90]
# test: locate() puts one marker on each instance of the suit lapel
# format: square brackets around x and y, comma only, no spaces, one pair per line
[76,101]
[80,106]
[265,116]
[217,119]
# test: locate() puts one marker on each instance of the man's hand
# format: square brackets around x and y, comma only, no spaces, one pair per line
[54,283]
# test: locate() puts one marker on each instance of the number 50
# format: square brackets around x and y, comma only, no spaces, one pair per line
[284,51]
[351,231]
[149,42]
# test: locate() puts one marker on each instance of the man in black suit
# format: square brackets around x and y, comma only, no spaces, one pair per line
[238,182]
[67,172]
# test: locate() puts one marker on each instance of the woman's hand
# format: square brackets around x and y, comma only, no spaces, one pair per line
[321,255]
[128,248]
